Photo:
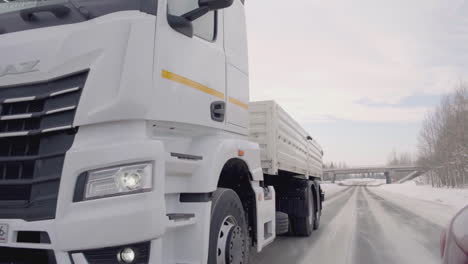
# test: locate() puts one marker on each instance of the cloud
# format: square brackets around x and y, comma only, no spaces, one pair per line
[362,143]
[320,58]
[358,74]
[412,101]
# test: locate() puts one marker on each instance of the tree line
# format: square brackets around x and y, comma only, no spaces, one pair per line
[335,165]
[400,159]
[443,141]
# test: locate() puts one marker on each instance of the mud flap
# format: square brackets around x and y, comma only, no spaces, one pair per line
[266,216]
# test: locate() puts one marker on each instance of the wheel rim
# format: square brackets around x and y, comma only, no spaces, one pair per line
[230,246]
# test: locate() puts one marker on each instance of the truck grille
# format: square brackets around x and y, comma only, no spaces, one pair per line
[36,130]
[26,256]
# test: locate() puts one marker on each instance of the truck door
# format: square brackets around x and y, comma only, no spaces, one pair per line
[190,71]
[235,44]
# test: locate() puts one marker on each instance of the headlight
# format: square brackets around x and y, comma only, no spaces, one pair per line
[118,181]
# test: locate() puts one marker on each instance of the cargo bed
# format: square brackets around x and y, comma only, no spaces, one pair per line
[284,144]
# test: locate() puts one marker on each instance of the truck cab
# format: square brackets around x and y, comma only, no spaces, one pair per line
[124,134]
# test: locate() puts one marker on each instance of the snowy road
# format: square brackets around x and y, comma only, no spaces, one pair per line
[359,226]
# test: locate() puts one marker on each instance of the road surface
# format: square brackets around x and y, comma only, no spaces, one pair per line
[358,226]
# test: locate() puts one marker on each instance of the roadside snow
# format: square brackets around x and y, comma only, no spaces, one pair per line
[437,205]
[436,213]
[455,198]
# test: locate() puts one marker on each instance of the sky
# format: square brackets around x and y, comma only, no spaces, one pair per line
[359,75]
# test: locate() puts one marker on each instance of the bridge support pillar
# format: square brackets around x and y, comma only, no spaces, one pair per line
[388,177]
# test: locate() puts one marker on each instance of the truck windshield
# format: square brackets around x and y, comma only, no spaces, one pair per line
[7,6]
[12,18]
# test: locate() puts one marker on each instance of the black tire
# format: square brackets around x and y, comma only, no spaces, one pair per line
[227,208]
[318,213]
[282,223]
[303,226]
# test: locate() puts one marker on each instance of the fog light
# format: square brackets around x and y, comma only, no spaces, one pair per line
[126,256]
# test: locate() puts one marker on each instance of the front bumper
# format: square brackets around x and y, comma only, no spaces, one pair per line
[103,222]
[120,220]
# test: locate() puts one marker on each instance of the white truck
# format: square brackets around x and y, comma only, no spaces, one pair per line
[124,137]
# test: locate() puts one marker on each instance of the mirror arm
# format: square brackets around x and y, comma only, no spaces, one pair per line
[181,25]
[195,14]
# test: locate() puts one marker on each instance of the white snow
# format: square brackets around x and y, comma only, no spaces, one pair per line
[437,205]
[455,198]
[362,181]
[377,182]
[436,213]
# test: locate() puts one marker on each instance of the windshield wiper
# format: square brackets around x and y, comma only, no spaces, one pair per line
[59,11]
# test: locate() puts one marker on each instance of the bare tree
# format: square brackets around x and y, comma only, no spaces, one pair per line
[443,141]
[400,159]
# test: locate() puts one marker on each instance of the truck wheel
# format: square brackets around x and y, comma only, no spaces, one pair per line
[318,214]
[228,229]
[282,223]
[303,226]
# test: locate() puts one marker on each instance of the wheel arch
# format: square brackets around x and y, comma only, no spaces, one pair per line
[216,154]
[232,164]
[237,176]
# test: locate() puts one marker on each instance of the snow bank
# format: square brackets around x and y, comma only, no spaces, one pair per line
[362,181]
[455,198]
[376,182]
[436,213]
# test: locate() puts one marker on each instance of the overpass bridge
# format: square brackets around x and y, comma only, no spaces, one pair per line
[388,171]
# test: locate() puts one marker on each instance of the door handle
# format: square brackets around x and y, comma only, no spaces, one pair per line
[218,111]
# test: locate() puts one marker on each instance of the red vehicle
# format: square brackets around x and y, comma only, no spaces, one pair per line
[454,241]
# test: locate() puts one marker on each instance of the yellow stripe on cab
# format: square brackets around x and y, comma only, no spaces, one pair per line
[182,80]
[238,103]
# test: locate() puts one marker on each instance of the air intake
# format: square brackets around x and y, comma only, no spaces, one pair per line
[36,130]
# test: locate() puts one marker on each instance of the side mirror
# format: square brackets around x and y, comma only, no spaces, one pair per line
[180,24]
[206,6]
[215,4]
[183,24]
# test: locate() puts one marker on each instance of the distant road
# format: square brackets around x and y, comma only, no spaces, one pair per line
[358,226]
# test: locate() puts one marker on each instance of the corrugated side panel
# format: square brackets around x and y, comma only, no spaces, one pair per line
[283,141]
[292,144]
[260,131]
